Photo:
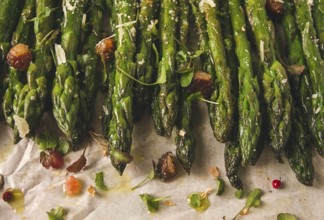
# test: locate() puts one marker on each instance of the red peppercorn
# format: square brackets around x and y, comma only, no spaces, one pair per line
[7,196]
[276,184]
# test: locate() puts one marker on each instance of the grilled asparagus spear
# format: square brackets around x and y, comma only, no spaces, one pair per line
[249,120]
[315,65]
[145,66]
[274,78]
[90,77]
[65,93]
[185,140]
[221,114]
[121,123]
[318,18]
[165,97]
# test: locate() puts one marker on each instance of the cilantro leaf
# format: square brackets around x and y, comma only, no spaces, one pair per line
[56,214]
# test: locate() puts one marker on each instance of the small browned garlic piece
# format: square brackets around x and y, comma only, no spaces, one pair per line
[19,57]
[275,7]
[165,167]
[106,49]
[201,82]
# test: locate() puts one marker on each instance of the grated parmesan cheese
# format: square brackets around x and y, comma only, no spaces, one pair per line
[262,50]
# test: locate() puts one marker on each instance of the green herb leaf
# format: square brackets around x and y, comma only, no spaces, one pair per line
[99,181]
[120,157]
[64,146]
[254,198]
[185,79]
[198,53]
[239,193]
[56,214]
[220,186]
[199,201]
[286,216]
[46,141]
[150,177]
[151,202]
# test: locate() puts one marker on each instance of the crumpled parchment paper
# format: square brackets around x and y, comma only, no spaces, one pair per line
[43,188]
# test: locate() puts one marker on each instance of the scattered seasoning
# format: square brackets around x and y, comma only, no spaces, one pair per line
[92,191]
[276,184]
[15,198]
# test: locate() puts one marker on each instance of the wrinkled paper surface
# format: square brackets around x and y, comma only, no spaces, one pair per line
[44,188]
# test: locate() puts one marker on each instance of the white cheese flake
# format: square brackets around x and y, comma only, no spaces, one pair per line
[60,54]
[202,4]
[284,81]
[182,133]
[22,126]
[314,96]
[317,110]
[262,50]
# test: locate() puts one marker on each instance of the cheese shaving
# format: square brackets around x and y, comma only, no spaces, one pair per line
[60,54]
[203,3]
[22,126]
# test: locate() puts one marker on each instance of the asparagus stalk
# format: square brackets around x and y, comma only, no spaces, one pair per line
[90,77]
[9,15]
[298,150]
[232,156]
[318,18]
[165,97]
[185,140]
[145,66]
[121,123]
[274,78]
[65,93]
[221,114]
[249,120]
[315,65]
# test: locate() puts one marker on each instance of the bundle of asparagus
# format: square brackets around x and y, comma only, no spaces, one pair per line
[263,69]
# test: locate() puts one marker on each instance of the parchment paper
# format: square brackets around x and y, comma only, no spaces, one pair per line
[44,188]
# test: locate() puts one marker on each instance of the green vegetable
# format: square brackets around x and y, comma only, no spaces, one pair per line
[253,200]
[90,77]
[315,65]
[232,156]
[286,216]
[249,110]
[221,114]
[56,213]
[145,66]
[121,123]
[99,181]
[275,84]
[151,202]
[165,96]
[318,18]
[66,98]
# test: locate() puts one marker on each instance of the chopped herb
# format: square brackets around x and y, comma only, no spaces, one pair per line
[253,200]
[220,186]
[199,201]
[99,181]
[239,193]
[56,214]
[151,202]
[286,216]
